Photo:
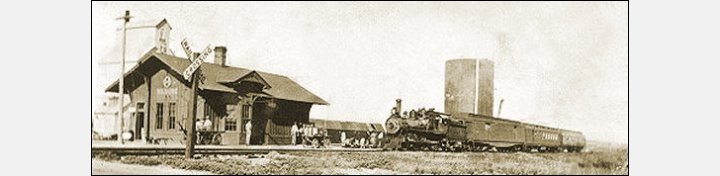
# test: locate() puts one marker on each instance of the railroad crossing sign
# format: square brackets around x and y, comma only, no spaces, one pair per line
[187,74]
[196,62]
[186,47]
[190,74]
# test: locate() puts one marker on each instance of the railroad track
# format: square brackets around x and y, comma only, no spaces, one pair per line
[214,151]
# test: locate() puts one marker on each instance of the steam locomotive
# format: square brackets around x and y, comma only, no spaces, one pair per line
[436,131]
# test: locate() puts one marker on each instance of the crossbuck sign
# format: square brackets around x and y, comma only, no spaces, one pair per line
[196,62]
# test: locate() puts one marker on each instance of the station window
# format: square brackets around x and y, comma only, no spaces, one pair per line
[140,106]
[230,124]
[159,116]
[171,115]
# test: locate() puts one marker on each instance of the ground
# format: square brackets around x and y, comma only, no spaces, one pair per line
[101,167]
[606,160]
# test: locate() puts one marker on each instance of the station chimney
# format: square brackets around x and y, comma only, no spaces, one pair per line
[220,55]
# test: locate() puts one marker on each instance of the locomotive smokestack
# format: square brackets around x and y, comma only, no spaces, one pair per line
[398,105]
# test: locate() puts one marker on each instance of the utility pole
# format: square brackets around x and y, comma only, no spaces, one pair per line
[121,92]
[190,143]
[500,107]
[477,88]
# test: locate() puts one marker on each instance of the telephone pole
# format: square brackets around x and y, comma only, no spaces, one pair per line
[500,107]
[121,92]
[190,136]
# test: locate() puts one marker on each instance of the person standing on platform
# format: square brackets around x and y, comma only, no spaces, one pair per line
[373,139]
[314,130]
[198,124]
[306,130]
[294,132]
[342,138]
[362,142]
[198,127]
[380,137]
[248,130]
[208,124]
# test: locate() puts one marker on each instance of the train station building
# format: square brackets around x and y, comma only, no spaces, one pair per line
[230,97]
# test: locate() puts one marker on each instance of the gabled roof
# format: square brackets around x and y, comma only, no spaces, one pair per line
[252,76]
[282,87]
[162,22]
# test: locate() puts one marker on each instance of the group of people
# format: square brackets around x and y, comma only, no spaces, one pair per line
[374,139]
[426,118]
[419,114]
[299,130]
[203,125]
[207,125]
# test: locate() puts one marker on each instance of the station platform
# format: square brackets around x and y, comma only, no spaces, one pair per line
[139,145]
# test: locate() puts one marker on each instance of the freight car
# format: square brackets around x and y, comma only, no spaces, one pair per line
[430,130]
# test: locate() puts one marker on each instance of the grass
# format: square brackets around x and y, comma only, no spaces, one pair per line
[107,156]
[602,162]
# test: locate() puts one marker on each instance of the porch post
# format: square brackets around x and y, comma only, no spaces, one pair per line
[147,108]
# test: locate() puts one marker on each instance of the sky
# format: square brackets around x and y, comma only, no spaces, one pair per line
[561,64]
